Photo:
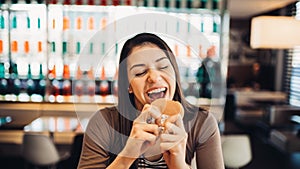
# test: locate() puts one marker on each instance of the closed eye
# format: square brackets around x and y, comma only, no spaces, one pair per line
[141,74]
[164,67]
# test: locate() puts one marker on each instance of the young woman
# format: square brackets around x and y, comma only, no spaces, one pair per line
[121,137]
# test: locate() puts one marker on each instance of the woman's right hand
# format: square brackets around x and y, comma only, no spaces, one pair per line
[143,135]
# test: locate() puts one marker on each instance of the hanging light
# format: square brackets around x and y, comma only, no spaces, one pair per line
[297,11]
[275,32]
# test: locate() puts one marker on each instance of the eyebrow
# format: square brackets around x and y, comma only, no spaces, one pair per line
[161,59]
[158,60]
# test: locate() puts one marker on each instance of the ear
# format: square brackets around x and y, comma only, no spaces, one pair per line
[130,89]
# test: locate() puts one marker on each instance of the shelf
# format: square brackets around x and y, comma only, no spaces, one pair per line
[23,114]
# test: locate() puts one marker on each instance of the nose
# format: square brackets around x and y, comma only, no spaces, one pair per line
[153,76]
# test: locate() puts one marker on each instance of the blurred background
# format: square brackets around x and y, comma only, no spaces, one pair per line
[50,85]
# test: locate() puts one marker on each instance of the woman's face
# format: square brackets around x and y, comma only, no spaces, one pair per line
[150,74]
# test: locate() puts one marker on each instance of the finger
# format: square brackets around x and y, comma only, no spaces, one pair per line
[150,114]
[142,136]
[152,128]
[146,106]
[165,146]
[173,129]
[173,119]
[149,138]
[169,138]
[144,127]
[154,112]
[179,122]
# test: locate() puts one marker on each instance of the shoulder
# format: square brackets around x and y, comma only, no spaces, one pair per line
[106,113]
[196,117]
[103,117]
[202,126]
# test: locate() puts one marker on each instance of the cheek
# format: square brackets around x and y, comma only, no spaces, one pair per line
[137,84]
[171,80]
[171,77]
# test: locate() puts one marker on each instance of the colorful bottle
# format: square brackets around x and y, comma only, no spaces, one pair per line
[91,86]
[78,85]
[104,85]
[14,82]
[78,2]
[215,4]
[3,82]
[177,4]
[203,3]
[66,84]
[103,2]
[41,87]
[30,85]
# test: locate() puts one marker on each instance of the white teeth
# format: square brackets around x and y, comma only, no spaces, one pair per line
[157,90]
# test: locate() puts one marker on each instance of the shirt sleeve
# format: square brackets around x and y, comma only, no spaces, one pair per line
[95,146]
[208,149]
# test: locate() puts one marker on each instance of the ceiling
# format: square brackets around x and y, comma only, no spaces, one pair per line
[248,8]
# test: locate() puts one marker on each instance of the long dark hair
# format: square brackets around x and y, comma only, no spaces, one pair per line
[125,100]
[126,105]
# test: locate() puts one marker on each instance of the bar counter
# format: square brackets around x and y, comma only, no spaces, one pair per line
[60,121]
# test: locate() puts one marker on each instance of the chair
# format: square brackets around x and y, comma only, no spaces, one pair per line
[73,159]
[236,150]
[39,150]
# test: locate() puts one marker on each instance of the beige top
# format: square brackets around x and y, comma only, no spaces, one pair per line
[103,140]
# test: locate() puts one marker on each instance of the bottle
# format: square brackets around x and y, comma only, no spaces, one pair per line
[2,22]
[155,3]
[167,4]
[52,73]
[189,4]
[84,81]
[91,23]
[128,2]
[79,23]
[103,22]
[115,2]
[66,23]
[103,2]
[215,4]
[30,85]
[54,88]
[3,82]
[53,2]
[28,22]
[14,1]
[67,2]
[145,3]
[78,2]
[90,2]
[91,86]
[203,4]
[41,86]
[216,24]
[14,82]
[78,85]
[4,39]
[66,84]
[177,4]
[104,85]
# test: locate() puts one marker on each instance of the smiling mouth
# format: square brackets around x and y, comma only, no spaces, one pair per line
[157,93]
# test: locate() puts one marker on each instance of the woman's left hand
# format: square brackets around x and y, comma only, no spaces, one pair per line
[173,143]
